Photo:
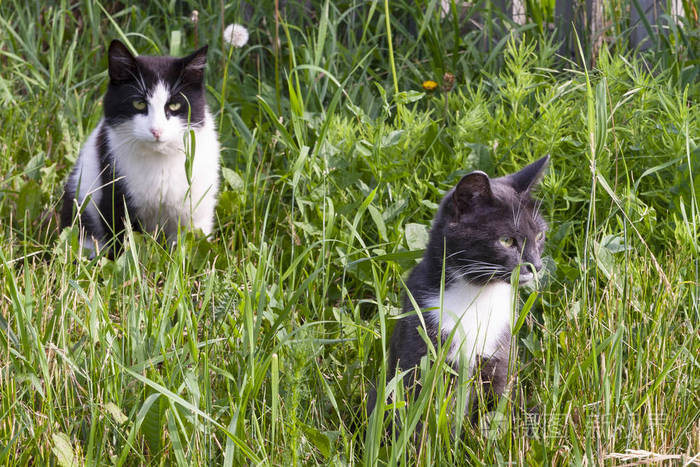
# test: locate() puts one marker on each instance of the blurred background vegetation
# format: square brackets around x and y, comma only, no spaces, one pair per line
[260,345]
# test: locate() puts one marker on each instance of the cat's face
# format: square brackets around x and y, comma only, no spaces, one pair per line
[150,100]
[492,226]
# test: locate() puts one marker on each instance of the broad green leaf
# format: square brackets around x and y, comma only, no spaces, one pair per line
[407,97]
[378,221]
[233,179]
[320,440]
[416,236]
[62,449]
[116,413]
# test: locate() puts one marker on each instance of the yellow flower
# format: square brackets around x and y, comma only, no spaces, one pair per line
[430,85]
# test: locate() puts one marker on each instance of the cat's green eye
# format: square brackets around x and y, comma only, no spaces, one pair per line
[174,106]
[139,104]
[507,241]
[540,236]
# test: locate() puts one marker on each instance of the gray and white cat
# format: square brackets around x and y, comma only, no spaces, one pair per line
[484,230]
[134,161]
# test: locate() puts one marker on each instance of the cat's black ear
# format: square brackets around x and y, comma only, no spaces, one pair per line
[473,188]
[193,64]
[122,64]
[528,176]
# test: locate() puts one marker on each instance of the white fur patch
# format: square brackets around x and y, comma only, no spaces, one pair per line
[478,314]
[157,120]
[86,179]
[155,171]
[141,126]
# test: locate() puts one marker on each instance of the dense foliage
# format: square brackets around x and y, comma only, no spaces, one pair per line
[260,345]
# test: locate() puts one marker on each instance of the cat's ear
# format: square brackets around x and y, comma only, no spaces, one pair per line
[122,64]
[523,180]
[193,64]
[473,188]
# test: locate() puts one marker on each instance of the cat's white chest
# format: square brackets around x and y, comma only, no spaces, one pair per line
[157,184]
[479,315]
[158,188]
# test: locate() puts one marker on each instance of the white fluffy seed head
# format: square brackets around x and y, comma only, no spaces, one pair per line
[236,35]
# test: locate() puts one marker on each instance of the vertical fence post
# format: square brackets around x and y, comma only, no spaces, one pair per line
[594,16]
[644,17]
[582,17]
[500,8]
[565,21]
[518,12]
[494,27]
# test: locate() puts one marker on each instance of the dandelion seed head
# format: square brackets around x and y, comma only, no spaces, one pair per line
[236,35]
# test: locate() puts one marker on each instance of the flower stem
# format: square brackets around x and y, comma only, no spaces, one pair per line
[391,47]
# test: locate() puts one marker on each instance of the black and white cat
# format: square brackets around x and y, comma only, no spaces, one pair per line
[484,230]
[134,162]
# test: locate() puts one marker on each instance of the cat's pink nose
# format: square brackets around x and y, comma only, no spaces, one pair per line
[156,132]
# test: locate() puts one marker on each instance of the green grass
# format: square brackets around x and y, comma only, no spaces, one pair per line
[261,345]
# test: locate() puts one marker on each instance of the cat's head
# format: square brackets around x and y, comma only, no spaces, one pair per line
[151,100]
[491,226]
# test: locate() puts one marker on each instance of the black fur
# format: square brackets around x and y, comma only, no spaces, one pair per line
[471,219]
[130,77]
[115,199]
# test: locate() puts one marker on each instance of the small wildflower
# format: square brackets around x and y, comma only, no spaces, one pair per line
[448,81]
[236,35]
[195,16]
[430,85]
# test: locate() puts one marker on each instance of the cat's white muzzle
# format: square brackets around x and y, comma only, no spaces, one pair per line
[527,274]
[525,278]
